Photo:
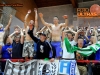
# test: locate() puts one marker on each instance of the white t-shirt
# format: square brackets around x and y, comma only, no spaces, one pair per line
[67,54]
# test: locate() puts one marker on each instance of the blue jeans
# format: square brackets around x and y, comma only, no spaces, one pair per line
[90,69]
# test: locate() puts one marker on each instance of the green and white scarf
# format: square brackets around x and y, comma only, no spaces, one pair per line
[83,51]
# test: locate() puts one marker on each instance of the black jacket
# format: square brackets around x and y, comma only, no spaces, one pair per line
[43,48]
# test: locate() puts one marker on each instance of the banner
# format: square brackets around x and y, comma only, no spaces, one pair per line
[47,68]
[41,67]
[17,68]
[67,67]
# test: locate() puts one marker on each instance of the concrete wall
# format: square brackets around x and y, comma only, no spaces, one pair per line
[15,21]
[50,12]
[84,21]
[6,13]
[93,21]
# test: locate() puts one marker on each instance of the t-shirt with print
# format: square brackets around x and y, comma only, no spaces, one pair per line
[5,53]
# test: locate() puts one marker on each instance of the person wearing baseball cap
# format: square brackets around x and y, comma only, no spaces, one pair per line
[42,34]
[43,47]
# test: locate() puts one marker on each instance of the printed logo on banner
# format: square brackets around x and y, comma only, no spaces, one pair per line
[67,67]
[72,67]
[47,68]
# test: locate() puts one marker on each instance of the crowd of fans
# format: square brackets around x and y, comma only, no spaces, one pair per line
[28,43]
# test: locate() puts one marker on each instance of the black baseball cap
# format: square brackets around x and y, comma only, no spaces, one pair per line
[42,34]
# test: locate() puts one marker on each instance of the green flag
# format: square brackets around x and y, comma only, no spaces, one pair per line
[84,51]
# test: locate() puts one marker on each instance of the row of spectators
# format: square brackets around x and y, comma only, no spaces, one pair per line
[29,43]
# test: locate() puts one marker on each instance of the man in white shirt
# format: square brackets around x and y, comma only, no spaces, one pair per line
[73,41]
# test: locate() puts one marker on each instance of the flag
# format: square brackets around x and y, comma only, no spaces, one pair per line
[84,51]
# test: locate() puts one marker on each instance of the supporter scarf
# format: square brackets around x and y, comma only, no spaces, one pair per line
[83,51]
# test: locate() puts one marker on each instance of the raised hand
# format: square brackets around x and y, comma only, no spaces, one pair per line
[10,16]
[88,23]
[29,11]
[65,16]
[23,30]
[96,27]
[80,30]
[41,15]
[35,10]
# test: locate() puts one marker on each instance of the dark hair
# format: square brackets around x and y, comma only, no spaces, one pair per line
[80,37]
[17,36]
[56,16]
[16,27]
[71,33]
[42,34]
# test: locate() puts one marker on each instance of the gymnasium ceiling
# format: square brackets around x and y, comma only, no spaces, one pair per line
[46,3]
[31,4]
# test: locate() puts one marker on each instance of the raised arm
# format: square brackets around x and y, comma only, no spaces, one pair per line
[95,36]
[43,28]
[36,18]
[87,32]
[30,32]
[11,35]
[9,23]
[49,30]
[36,22]
[22,37]
[40,31]
[63,35]
[76,35]
[87,39]
[89,26]
[19,27]
[96,32]
[66,21]
[44,23]
[87,29]
[70,31]
[25,22]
